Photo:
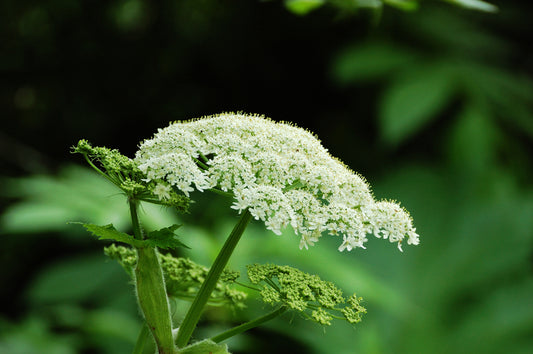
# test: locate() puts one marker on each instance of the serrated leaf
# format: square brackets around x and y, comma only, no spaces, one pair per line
[302,7]
[165,238]
[203,347]
[108,232]
[413,100]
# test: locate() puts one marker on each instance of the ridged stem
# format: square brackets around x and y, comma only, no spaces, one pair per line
[151,290]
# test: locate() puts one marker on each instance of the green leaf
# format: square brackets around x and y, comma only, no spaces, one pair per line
[473,139]
[165,238]
[371,4]
[414,99]
[475,5]
[73,280]
[203,347]
[303,7]
[108,232]
[369,62]
[406,5]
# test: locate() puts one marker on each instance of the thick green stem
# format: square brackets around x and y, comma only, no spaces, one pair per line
[248,325]
[151,290]
[153,299]
[193,315]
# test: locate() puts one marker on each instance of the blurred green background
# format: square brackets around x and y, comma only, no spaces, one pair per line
[433,107]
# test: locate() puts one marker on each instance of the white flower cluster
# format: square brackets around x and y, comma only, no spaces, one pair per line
[280,173]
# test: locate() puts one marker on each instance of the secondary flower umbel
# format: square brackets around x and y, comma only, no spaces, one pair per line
[280,172]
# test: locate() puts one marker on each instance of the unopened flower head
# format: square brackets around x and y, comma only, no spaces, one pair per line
[280,173]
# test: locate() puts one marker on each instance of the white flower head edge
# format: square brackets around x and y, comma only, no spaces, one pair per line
[280,172]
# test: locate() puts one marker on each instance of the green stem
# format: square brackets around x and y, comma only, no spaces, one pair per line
[151,290]
[248,325]
[193,315]
[153,299]
[137,231]
[201,164]
[98,170]
[221,192]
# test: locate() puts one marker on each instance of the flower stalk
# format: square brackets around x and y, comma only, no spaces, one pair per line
[248,325]
[193,315]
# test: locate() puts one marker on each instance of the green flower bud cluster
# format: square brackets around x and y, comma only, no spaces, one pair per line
[124,173]
[184,277]
[304,292]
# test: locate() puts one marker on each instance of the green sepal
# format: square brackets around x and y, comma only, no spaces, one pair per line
[108,232]
[165,238]
[205,346]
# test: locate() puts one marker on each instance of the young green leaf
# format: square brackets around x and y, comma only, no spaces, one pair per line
[165,238]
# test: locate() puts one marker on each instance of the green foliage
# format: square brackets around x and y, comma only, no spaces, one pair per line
[60,296]
[370,62]
[74,193]
[466,289]
[108,232]
[34,335]
[419,87]
[165,238]
[301,291]
[55,284]
[303,7]
[474,5]
[412,100]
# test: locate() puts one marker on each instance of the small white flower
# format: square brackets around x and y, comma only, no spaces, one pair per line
[280,173]
[162,190]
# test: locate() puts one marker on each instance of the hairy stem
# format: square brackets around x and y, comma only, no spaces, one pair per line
[136,225]
[193,315]
[151,290]
[248,325]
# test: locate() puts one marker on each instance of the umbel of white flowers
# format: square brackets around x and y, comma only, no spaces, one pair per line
[280,172]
